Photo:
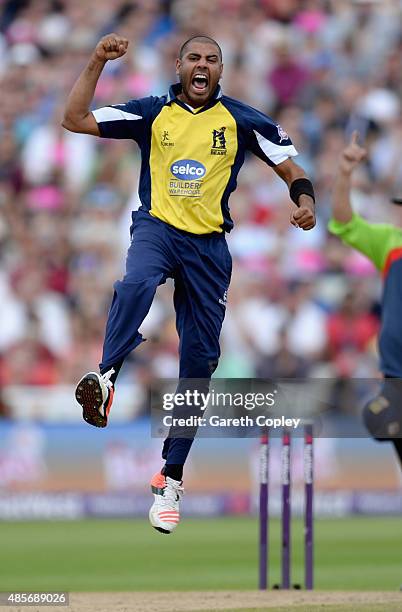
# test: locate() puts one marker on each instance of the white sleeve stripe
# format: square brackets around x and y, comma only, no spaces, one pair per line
[276,153]
[110,113]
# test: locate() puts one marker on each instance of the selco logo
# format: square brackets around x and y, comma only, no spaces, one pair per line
[188,169]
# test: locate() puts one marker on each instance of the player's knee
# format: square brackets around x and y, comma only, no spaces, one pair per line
[135,280]
[199,367]
[212,365]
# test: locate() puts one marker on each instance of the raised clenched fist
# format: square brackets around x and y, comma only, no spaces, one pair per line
[110,47]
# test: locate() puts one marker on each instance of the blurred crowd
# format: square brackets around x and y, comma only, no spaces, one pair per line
[300,303]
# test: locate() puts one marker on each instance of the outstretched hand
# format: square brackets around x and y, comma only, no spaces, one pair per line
[110,47]
[352,155]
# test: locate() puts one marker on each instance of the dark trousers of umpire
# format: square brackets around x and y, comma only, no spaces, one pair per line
[201,267]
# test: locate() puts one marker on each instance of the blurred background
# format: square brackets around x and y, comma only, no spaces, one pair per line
[300,304]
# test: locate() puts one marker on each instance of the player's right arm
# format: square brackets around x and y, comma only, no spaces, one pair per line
[77,116]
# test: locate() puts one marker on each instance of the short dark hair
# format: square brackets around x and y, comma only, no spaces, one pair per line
[199,38]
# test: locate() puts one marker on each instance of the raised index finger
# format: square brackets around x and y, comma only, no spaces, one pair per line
[354,140]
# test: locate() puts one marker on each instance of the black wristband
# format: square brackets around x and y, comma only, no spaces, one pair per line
[301,186]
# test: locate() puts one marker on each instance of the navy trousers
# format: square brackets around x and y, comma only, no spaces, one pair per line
[201,267]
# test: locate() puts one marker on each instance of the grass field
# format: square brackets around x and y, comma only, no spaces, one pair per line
[105,555]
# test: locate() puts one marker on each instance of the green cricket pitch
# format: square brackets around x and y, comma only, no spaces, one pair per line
[354,554]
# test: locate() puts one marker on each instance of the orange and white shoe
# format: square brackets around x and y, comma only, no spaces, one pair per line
[164,514]
[95,394]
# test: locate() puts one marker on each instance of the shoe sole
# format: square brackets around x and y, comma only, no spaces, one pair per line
[160,529]
[89,395]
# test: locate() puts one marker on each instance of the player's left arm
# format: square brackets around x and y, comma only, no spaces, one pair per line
[269,141]
[301,193]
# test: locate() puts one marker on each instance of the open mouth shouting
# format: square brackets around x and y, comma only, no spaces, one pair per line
[200,82]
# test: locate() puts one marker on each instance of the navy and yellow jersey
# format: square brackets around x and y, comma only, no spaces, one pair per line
[191,157]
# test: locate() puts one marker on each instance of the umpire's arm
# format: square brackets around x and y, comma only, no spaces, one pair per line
[350,158]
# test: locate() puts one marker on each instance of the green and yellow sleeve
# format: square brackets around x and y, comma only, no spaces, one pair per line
[375,240]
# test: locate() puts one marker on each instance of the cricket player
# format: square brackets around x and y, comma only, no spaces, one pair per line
[193,142]
[382,244]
